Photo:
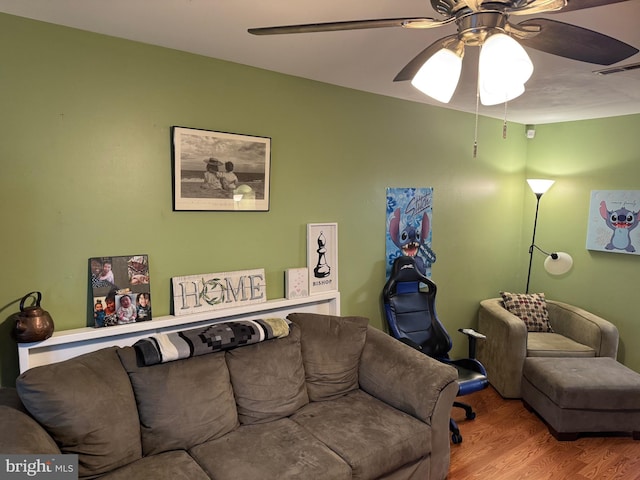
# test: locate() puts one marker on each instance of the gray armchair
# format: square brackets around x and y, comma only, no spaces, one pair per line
[577,333]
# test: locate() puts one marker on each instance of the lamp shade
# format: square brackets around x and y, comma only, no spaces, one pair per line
[559,265]
[540,185]
[504,67]
[439,75]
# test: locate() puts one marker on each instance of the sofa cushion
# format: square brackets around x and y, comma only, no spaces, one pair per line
[531,308]
[371,436]
[268,379]
[331,350]
[87,406]
[181,403]
[176,465]
[279,450]
[541,344]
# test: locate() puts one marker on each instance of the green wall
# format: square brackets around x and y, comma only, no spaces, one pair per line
[584,156]
[86,171]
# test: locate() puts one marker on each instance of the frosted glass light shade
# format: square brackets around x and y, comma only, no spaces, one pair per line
[494,97]
[504,67]
[560,265]
[540,185]
[439,75]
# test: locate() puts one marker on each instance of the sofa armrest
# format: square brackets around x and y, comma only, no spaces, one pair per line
[401,376]
[505,348]
[414,383]
[22,435]
[584,327]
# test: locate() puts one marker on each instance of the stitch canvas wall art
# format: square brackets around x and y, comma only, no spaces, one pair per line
[408,227]
[613,221]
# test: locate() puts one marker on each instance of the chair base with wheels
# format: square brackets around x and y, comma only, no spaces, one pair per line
[456,437]
[409,305]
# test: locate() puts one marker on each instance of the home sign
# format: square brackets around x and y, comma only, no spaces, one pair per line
[215,291]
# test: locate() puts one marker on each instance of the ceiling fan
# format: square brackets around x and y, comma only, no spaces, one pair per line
[479,20]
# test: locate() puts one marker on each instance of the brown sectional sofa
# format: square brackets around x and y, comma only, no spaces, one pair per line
[334,399]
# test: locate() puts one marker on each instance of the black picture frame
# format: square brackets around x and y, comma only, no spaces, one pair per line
[219,171]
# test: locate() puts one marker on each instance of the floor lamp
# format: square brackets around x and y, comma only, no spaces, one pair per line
[556,263]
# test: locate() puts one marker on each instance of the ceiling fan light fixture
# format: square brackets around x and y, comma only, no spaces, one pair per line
[503,94]
[503,69]
[439,76]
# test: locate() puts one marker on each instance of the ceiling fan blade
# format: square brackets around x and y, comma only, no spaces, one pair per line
[537,6]
[410,69]
[576,43]
[409,22]
[582,4]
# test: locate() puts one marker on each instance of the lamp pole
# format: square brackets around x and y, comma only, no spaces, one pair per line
[533,240]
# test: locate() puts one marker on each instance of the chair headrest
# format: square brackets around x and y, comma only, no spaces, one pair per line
[404,270]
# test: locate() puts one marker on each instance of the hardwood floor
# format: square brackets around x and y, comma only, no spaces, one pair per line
[506,442]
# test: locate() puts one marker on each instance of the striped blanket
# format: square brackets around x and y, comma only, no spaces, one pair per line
[166,347]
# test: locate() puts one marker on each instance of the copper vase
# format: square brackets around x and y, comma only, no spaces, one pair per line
[33,323]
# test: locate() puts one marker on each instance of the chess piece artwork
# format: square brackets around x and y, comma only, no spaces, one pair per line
[322,269]
[322,257]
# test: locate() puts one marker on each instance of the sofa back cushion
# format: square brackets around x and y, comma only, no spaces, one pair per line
[182,403]
[87,406]
[268,379]
[331,350]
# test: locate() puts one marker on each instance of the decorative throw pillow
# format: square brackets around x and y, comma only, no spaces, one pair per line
[531,308]
[331,350]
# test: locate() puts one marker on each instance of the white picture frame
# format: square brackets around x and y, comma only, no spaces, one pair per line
[614,217]
[322,257]
[296,282]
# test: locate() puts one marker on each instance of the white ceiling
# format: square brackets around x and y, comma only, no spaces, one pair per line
[368,60]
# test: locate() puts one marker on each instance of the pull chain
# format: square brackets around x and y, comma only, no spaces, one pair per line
[504,124]
[475,137]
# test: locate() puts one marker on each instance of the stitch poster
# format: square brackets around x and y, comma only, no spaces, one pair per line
[613,221]
[408,227]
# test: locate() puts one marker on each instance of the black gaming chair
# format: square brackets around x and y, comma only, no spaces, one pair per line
[411,317]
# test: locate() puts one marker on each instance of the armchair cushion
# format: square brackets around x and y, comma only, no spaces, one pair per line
[541,344]
[531,308]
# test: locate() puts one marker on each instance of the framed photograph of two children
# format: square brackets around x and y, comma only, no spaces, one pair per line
[218,171]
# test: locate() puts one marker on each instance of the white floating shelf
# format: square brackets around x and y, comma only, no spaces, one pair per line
[67,344]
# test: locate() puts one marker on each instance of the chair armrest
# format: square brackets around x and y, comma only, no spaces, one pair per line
[412,382]
[473,338]
[505,348]
[584,327]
